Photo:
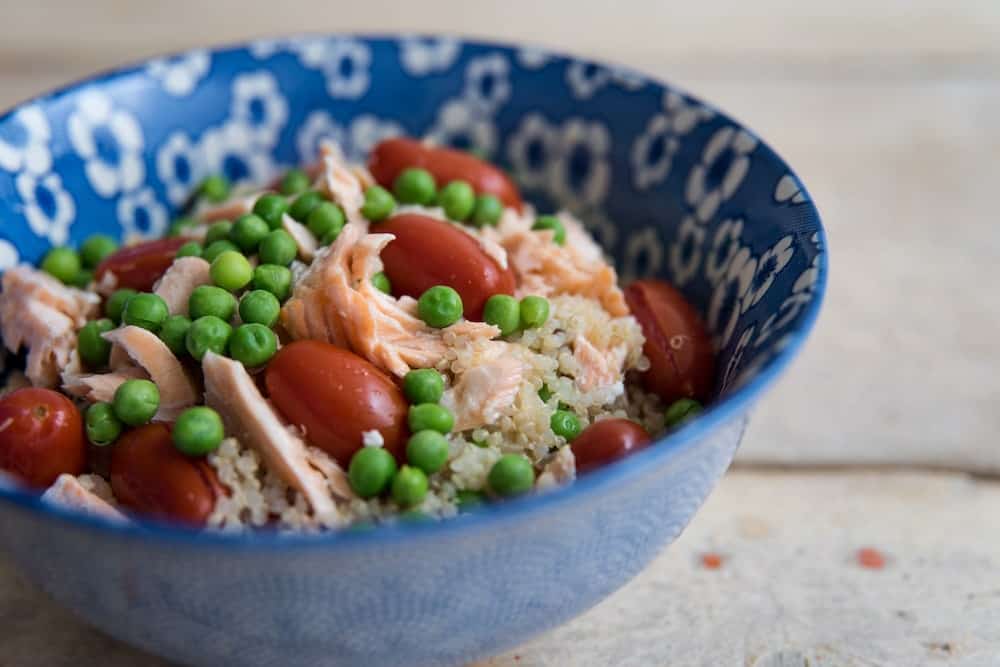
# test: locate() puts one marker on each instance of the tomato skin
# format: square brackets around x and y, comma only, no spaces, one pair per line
[41,436]
[139,266]
[392,156]
[334,396]
[680,352]
[152,478]
[606,441]
[428,252]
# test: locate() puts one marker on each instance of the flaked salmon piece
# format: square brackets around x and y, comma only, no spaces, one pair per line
[42,314]
[341,183]
[101,387]
[231,391]
[177,390]
[545,268]
[335,476]
[304,239]
[482,393]
[336,302]
[560,470]
[597,368]
[177,283]
[107,285]
[67,491]
[227,210]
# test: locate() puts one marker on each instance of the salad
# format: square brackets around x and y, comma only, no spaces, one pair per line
[349,345]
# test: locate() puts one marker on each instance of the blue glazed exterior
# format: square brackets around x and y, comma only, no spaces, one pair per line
[670,186]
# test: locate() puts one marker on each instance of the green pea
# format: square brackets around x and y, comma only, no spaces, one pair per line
[218,231]
[215,188]
[553,223]
[503,310]
[423,385]
[427,450]
[566,424]
[198,431]
[440,306]
[208,333]
[216,248]
[115,304]
[180,225]
[96,248]
[102,424]
[136,401]
[208,300]
[145,310]
[469,500]
[327,217]
[259,307]
[278,247]
[381,282]
[62,264]
[379,204]
[534,311]
[274,279]
[545,393]
[231,271]
[82,278]
[271,208]
[512,475]
[409,486]
[487,211]
[414,186]
[430,416]
[189,249]
[681,411]
[371,471]
[294,182]
[458,200]
[329,237]
[253,345]
[304,204]
[92,347]
[173,333]
[248,231]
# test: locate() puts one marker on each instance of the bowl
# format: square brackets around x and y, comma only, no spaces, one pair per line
[669,185]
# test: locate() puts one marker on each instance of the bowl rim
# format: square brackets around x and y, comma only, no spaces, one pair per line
[490,517]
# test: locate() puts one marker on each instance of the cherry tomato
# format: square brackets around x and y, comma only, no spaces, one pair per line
[428,252]
[446,164]
[139,266]
[41,436]
[606,441]
[334,396]
[150,477]
[682,361]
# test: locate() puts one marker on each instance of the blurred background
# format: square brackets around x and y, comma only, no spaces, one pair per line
[890,113]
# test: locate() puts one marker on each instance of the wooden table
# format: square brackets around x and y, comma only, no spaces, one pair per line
[890,115]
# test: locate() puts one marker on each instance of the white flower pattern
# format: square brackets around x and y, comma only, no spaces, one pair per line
[420,56]
[770,264]
[724,164]
[585,78]
[9,256]
[367,130]
[725,244]
[532,57]
[789,189]
[230,150]
[142,215]
[47,207]
[462,125]
[179,75]
[24,142]
[685,251]
[580,175]
[179,167]
[110,142]
[487,82]
[344,61]
[259,105]
[653,151]
[643,255]
[729,296]
[318,126]
[531,149]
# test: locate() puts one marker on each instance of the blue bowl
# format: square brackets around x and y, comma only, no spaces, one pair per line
[669,185]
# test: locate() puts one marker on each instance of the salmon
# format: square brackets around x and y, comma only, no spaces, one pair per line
[177,390]
[597,368]
[484,392]
[227,210]
[545,268]
[336,302]
[231,391]
[42,314]
[100,387]
[560,469]
[341,183]
[304,238]
[68,492]
[176,285]
[336,478]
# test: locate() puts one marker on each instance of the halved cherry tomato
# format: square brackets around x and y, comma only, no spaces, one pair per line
[151,477]
[428,252]
[41,436]
[446,164]
[139,266]
[335,396]
[681,357]
[606,441]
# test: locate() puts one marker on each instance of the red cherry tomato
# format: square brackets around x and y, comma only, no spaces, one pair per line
[41,436]
[606,441]
[428,252]
[334,396]
[139,266]
[682,361]
[150,477]
[446,164]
